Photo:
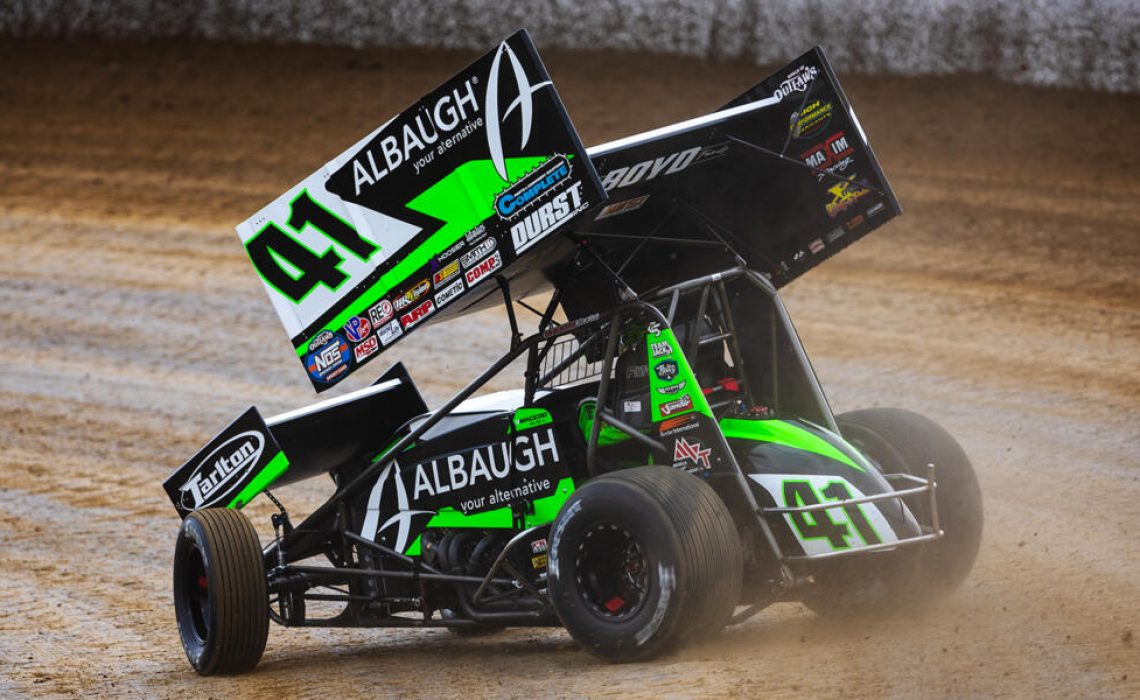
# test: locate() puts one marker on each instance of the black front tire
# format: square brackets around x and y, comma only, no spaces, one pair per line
[901,441]
[642,559]
[220,596]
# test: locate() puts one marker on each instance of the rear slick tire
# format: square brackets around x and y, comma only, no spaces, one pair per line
[642,559]
[901,441]
[220,596]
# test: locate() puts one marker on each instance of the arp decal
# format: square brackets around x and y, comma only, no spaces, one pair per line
[417,314]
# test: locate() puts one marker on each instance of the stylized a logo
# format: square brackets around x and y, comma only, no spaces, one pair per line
[402,518]
[523,103]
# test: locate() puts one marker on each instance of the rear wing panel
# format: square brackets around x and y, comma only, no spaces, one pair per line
[779,179]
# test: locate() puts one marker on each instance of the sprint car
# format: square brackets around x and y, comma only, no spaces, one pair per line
[669,464]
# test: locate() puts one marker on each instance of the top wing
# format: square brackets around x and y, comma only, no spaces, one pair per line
[405,227]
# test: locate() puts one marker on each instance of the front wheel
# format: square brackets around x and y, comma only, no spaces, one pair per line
[641,559]
[900,441]
[220,595]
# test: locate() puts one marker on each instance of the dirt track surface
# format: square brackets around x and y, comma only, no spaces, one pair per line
[1005,304]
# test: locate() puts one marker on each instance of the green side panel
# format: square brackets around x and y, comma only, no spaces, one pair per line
[683,384]
[783,433]
[264,478]
[608,435]
[462,199]
[527,418]
[545,511]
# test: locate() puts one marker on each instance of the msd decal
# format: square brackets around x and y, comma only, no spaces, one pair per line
[484,268]
[366,349]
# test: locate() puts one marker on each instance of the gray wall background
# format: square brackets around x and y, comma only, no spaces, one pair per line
[1071,43]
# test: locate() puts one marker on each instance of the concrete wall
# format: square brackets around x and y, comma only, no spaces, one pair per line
[1075,43]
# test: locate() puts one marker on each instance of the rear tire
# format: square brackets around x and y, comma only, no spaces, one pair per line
[900,441]
[220,596]
[641,559]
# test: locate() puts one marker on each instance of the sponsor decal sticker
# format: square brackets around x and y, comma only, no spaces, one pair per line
[389,332]
[843,196]
[815,246]
[631,406]
[475,254]
[485,267]
[215,475]
[854,222]
[547,217]
[538,546]
[539,183]
[685,451]
[622,207]
[683,403]
[648,170]
[879,206]
[834,234]
[832,155]
[446,273]
[570,325]
[412,295]
[475,233]
[671,389]
[680,424]
[367,349]
[381,313]
[357,328]
[449,293]
[810,121]
[417,314]
[797,81]
[328,357]
[442,257]
[666,370]
[660,349]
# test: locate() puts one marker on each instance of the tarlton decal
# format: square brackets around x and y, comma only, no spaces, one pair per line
[649,169]
[223,468]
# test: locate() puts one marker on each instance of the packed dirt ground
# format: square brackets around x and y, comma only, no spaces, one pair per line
[1005,304]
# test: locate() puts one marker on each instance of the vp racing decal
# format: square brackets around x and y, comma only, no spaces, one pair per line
[477,172]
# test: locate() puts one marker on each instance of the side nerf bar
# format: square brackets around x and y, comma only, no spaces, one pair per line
[931,532]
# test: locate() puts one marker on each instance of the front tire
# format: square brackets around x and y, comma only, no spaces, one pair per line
[641,559]
[220,596]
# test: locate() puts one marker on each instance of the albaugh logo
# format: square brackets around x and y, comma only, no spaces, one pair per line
[215,476]
[524,103]
[402,520]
